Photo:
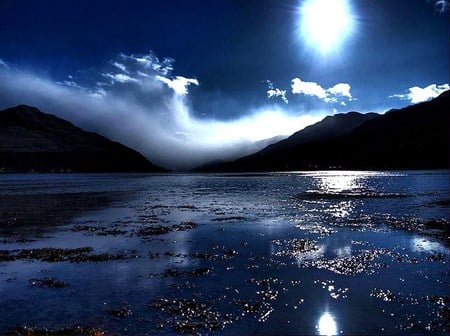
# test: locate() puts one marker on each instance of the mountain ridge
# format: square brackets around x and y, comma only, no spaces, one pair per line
[31,140]
[413,137]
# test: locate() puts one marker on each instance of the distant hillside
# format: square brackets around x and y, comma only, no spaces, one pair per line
[329,127]
[415,137]
[31,140]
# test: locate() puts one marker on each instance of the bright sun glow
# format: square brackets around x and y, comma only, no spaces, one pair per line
[325,24]
[327,325]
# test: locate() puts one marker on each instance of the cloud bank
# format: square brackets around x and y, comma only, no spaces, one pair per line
[138,101]
[417,94]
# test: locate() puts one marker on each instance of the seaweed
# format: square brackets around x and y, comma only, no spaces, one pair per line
[67,331]
[48,282]
[51,254]
[189,316]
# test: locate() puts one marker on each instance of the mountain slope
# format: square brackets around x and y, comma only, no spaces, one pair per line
[415,137]
[31,140]
[329,127]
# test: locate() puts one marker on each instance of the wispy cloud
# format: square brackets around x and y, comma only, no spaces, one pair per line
[152,62]
[334,94]
[179,84]
[120,78]
[145,106]
[441,5]
[417,94]
[120,66]
[273,92]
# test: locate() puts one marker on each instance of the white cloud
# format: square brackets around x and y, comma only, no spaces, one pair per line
[341,89]
[330,95]
[271,93]
[2,63]
[308,88]
[120,66]
[333,100]
[142,74]
[141,110]
[71,83]
[417,94]
[152,62]
[179,84]
[119,77]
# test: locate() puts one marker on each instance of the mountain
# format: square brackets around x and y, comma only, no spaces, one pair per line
[414,137]
[329,127]
[31,140]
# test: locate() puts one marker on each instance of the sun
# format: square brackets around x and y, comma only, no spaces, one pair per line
[325,24]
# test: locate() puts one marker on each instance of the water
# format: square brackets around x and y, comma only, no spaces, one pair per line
[265,254]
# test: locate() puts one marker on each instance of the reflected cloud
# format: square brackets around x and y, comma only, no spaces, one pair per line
[344,251]
[301,257]
[327,325]
[422,244]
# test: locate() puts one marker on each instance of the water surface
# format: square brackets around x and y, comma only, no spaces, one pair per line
[246,254]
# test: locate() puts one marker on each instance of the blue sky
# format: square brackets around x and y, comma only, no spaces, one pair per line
[215,75]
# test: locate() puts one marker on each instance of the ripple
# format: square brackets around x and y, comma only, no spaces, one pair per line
[354,194]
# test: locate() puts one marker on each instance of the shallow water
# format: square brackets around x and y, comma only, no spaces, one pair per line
[262,254]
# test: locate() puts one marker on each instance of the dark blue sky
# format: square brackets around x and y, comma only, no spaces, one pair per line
[231,47]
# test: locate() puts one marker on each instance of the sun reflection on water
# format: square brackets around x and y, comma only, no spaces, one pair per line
[327,325]
[341,209]
[340,181]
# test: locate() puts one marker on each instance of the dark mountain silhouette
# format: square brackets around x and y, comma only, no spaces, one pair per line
[31,140]
[414,137]
[329,127]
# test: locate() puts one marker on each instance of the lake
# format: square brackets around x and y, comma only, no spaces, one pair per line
[327,252]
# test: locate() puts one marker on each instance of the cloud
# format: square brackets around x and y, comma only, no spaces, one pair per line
[417,94]
[441,5]
[341,89]
[120,78]
[308,88]
[330,95]
[152,62]
[271,93]
[149,108]
[120,66]
[179,84]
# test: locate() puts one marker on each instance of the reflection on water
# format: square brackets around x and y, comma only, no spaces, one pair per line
[310,255]
[341,209]
[422,244]
[341,181]
[344,251]
[265,252]
[327,325]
